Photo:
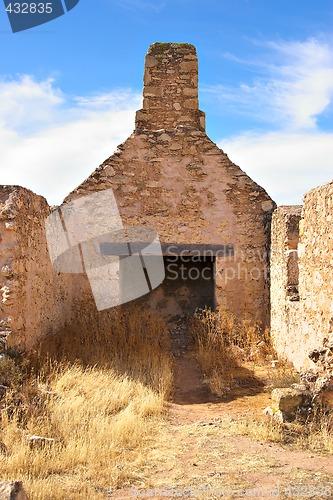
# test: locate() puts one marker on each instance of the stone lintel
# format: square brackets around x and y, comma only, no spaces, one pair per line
[171,249]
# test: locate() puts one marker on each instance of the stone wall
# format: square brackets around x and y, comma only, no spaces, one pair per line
[285,283]
[316,266]
[299,326]
[182,185]
[33,296]
[168,175]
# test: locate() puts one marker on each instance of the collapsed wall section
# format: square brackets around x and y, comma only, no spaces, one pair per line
[33,296]
[316,266]
[301,280]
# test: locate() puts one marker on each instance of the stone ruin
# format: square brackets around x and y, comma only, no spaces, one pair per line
[213,221]
[302,294]
[301,277]
[214,224]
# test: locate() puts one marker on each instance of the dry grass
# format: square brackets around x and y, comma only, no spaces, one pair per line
[100,416]
[260,430]
[102,399]
[281,375]
[228,349]
[236,354]
[137,344]
[315,433]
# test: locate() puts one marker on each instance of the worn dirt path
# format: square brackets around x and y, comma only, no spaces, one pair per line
[199,454]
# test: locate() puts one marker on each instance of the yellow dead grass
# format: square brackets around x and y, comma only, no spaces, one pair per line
[101,415]
[100,422]
[224,344]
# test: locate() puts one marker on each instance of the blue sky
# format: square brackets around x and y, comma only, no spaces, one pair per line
[69,89]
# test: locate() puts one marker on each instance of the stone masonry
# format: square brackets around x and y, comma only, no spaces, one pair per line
[170,92]
[168,175]
[285,281]
[301,278]
[32,296]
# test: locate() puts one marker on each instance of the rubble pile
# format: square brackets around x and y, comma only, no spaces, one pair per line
[314,390]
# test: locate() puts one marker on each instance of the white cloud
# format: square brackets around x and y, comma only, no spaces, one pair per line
[50,142]
[290,91]
[26,104]
[291,94]
[286,164]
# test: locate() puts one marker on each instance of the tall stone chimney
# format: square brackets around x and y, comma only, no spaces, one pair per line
[170,92]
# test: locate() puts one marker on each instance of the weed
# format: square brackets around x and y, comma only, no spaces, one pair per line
[224,345]
[101,401]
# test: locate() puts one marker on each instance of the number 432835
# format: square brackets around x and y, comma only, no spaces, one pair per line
[29,8]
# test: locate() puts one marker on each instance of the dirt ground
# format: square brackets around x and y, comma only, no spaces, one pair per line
[198,454]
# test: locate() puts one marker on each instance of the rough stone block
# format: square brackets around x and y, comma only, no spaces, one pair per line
[191,104]
[287,400]
[151,61]
[150,91]
[12,490]
[188,92]
[147,77]
[326,399]
[175,146]
[186,66]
